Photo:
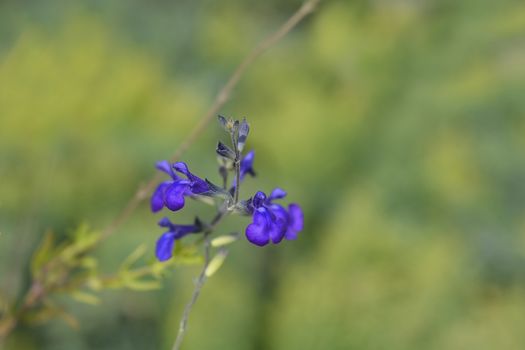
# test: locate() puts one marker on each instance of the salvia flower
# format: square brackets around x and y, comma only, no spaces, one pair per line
[247,164]
[165,243]
[171,193]
[271,221]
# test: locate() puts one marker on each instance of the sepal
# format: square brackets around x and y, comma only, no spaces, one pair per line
[225,151]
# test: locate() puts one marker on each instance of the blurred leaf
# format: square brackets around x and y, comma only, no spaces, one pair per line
[216,262]
[141,285]
[43,254]
[86,298]
[224,240]
[49,311]
[186,254]
[133,257]
[88,262]
[94,283]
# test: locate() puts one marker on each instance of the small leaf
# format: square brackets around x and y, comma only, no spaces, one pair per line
[83,240]
[142,285]
[86,298]
[95,283]
[133,257]
[225,151]
[224,240]
[216,262]
[42,254]
[49,311]
[223,121]
[88,262]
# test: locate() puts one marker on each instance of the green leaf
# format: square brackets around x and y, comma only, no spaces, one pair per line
[216,263]
[224,240]
[49,311]
[133,257]
[42,254]
[86,298]
[142,285]
[95,283]
[88,262]
[83,241]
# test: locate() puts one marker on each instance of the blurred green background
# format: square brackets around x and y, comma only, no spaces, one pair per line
[397,124]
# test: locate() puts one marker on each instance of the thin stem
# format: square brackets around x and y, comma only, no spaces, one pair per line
[196,291]
[237,166]
[200,281]
[237,181]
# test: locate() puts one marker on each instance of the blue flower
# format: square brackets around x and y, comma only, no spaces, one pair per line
[246,167]
[165,243]
[271,221]
[171,193]
[247,164]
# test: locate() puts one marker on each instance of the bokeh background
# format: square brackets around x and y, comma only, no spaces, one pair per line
[398,125]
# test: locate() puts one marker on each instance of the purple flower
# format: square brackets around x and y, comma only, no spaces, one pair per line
[171,193]
[246,167]
[247,164]
[271,221]
[165,243]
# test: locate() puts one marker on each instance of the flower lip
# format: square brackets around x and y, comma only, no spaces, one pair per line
[295,222]
[277,193]
[182,167]
[157,199]
[247,164]
[256,232]
[164,248]
[164,166]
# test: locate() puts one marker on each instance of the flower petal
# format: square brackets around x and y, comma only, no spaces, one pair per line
[165,166]
[198,185]
[277,193]
[182,167]
[257,231]
[157,199]
[183,230]
[296,221]
[174,196]
[165,222]
[247,164]
[164,248]
[279,223]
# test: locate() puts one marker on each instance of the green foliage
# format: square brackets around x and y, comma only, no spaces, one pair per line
[69,268]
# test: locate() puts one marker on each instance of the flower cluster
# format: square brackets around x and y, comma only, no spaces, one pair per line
[271,222]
